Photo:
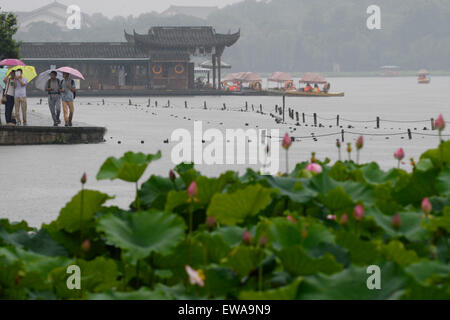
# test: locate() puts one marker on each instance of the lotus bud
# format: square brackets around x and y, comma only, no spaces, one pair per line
[287,142]
[290,218]
[344,219]
[211,222]
[399,154]
[440,123]
[338,143]
[360,143]
[263,242]
[332,217]
[84,179]
[247,238]
[396,221]
[358,213]
[314,168]
[86,245]
[426,206]
[349,147]
[313,157]
[192,190]
[172,176]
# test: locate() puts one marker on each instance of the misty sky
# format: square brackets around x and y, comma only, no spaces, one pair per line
[113,7]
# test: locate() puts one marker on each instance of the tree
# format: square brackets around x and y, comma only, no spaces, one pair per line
[9,48]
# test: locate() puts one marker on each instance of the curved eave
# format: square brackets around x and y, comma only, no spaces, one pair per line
[129,37]
[228,39]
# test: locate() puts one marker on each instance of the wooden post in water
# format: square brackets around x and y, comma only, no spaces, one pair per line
[298,117]
[246,106]
[337,121]
[303,116]
[378,122]
[260,108]
[224,106]
[156,104]
[149,102]
[409,134]
[284,108]
[276,109]
[185,105]
[204,105]
[342,135]
[253,108]
[103,101]
[129,102]
[168,103]
[432,124]
[315,119]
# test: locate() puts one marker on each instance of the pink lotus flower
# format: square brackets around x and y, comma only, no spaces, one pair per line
[399,154]
[396,221]
[332,217]
[172,176]
[314,168]
[287,142]
[195,277]
[426,206]
[192,190]
[247,238]
[211,222]
[440,123]
[358,213]
[290,218]
[344,219]
[360,143]
[84,179]
[86,245]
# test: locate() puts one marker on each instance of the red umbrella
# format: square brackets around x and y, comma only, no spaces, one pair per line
[12,63]
[71,71]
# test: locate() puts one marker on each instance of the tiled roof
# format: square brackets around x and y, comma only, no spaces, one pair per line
[183,37]
[74,50]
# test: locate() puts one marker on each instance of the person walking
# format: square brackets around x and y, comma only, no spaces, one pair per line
[20,100]
[53,89]
[9,94]
[67,97]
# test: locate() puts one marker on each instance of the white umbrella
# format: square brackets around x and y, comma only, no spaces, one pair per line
[42,79]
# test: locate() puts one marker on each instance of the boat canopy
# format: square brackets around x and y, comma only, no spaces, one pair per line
[243,77]
[423,72]
[280,77]
[314,78]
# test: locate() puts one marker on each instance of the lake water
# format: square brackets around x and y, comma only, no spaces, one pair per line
[37,181]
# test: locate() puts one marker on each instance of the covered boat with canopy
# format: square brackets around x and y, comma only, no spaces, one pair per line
[251,78]
[423,76]
[283,79]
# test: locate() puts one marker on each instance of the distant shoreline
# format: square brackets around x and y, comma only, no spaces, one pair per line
[363,74]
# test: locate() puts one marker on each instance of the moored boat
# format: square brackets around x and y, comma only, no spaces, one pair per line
[424,77]
[304,94]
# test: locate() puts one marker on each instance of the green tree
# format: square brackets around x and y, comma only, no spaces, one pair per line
[9,48]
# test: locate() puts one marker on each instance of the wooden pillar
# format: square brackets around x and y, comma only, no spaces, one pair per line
[214,70]
[219,62]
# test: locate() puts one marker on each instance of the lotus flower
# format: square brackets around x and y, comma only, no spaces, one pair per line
[426,206]
[287,142]
[396,221]
[360,143]
[314,168]
[290,218]
[263,241]
[247,238]
[211,222]
[399,155]
[192,190]
[358,213]
[344,219]
[84,179]
[86,245]
[195,277]
[332,217]
[440,123]
[172,176]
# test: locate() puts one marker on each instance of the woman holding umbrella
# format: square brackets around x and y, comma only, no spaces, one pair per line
[9,94]
[67,97]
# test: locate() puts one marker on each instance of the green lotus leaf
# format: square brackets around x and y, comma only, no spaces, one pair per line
[153,193]
[140,295]
[297,262]
[234,208]
[221,281]
[73,213]
[129,168]
[140,234]
[410,227]
[281,233]
[395,251]
[337,199]
[288,292]
[243,260]
[232,235]
[423,270]
[215,246]
[424,165]
[351,284]
[443,182]
[362,253]
[442,222]
[416,291]
[11,227]
[374,175]
[316,232]
[435,154]
[175,199]
[420,185]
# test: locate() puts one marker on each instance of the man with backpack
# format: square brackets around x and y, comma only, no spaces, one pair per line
[53,89]
[67,95]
